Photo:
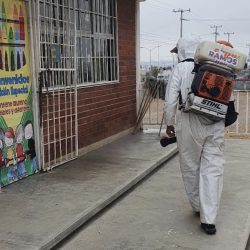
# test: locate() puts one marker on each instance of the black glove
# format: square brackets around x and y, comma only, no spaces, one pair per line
[167,140]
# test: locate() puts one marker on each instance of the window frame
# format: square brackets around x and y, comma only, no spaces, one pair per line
[98,36]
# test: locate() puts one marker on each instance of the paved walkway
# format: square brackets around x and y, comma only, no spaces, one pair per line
[39,211]
[157,215]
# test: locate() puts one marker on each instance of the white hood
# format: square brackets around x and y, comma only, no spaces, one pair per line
[186,48]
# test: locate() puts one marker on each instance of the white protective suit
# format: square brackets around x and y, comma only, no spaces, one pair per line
[200,141]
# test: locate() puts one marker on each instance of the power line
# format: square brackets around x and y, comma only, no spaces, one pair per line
[220,19]
[182,19]
[216,30]
[143,33]
[148,35]
[161,5]
[160,8]
[158,40]
[165,3]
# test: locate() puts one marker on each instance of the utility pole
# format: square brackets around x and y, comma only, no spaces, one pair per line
[216,30]
[150,50]
[150,54]
[158,56]
[228,35]
[182,19]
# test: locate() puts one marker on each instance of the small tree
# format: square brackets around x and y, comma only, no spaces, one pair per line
[155,71]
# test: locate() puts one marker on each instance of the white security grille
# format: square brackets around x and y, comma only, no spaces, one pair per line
[58,93]
[96,41]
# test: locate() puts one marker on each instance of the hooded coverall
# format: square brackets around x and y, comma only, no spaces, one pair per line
[200,140]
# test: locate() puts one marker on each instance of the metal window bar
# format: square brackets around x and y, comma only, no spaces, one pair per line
[58,83]
[37,34]
[33,39]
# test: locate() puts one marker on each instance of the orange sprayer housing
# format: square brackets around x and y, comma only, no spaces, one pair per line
[213,86]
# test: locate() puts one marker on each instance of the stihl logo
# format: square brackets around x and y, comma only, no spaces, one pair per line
[211,104]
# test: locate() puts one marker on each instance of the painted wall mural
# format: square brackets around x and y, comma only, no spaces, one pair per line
[17,146]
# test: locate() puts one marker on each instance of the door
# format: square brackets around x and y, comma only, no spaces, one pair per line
[55,48]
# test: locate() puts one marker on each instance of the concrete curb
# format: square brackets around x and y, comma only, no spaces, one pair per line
[244,235]
[101,204]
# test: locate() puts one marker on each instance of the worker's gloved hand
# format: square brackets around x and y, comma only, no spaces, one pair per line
[170,131]
[167,140]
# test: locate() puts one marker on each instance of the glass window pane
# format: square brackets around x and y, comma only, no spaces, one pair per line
[96,41]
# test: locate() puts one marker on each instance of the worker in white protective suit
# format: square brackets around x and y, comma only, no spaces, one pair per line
[200,141]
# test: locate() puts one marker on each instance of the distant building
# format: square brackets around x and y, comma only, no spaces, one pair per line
[84,63]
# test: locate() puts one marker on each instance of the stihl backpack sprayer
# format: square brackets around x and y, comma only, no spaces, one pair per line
[215,67]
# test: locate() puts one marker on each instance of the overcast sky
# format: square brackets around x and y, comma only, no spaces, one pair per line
[160,26]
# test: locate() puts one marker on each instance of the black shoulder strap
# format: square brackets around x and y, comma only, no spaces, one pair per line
[196,68]
[188,60]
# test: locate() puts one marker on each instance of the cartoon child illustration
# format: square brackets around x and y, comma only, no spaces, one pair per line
[2,164]
[10,156]
[20,157]
[28,134]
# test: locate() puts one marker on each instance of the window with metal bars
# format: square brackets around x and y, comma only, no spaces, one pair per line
[96,41]
[57,42]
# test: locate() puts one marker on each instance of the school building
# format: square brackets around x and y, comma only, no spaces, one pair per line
[68,82]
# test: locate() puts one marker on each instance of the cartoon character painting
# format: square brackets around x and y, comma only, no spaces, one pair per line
[10,160]
[20,157]
[31,153]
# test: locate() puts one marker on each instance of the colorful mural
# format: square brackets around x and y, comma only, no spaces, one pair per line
[12,37]
[17,145]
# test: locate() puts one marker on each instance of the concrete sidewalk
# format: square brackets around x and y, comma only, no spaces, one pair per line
[156,215]
[38,212]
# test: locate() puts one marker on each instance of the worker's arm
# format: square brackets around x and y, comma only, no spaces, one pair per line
[171,99]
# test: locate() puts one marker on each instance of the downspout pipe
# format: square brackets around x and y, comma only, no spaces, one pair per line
[138,75]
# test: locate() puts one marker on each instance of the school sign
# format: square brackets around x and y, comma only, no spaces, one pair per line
[17,145]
